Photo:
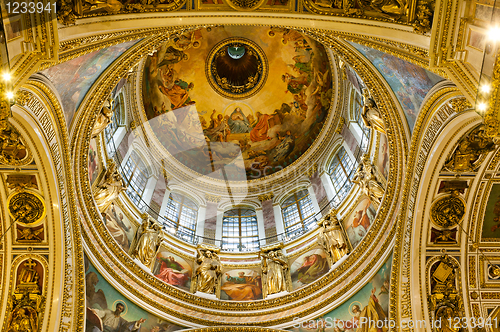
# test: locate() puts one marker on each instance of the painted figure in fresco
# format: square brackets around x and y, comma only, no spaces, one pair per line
[172,272]
[371,114]
[284,148]
[92,296]
[259,132]
[113,322]
[242,287]
[117,228]
[172,56]
[147,242]
[295,84]
[218,129]
[360,224]
[313,267]
[275,267]
[238,122]
[208,272]
[92,164]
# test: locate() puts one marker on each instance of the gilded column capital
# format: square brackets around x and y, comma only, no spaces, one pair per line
[312,170]
[212,198]
[265,197]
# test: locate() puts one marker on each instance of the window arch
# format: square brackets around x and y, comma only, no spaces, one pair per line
[181,216]
[117,120]
[357,105]
[239,230]
[341,171]
[298,213]
[136,176]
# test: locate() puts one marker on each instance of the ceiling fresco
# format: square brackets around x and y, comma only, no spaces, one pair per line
[237,102]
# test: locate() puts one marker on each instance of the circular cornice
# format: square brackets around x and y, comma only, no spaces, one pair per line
[144,288]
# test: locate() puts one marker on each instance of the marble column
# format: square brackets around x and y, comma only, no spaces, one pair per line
[211,212]
[268,217]
[157,197]
[318,189]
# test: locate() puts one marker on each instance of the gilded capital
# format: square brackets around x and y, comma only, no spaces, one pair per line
[212,198]
[265,197]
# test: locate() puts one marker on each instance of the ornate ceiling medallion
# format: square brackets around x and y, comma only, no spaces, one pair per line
[448,211]
[26,208]
[236,68]
[244,5]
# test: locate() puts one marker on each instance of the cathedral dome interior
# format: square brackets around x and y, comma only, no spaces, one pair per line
[257,165]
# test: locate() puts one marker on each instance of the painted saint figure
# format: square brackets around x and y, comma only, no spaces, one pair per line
[238,122]
[243,287]
[113,322]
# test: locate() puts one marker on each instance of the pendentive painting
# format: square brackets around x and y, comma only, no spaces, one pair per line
[173,269]
[110,311]
[491,221]
[370,303]
[383,156]
[241,285]
[308,267]
[358,223]
[119,226]
[94,166]
[237,108]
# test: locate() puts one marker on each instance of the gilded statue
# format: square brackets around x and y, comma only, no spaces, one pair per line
[391,7]
[371,114]
[12,148]
[109,188]
[365,178]
[102,121]
[209,270]
[274,268]
[147,241]
[24,319]
[332,238]
[470,148]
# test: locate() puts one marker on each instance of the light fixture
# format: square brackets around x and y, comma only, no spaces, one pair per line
[485,88]
[481,107]
[494,33]
[6,76]
[10,95]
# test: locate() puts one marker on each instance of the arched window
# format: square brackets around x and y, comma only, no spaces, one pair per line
[116,121]
[136,176]
[298,213]
[181,217]
[365,131]
[341,170]
[239,230]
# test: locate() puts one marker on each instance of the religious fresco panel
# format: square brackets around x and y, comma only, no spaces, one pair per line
[370,302]
[241,284]
[237,136]
[491,221]
[109,310]
[410,83]
[358,222]
[308,267]
[173,269]
[74,78]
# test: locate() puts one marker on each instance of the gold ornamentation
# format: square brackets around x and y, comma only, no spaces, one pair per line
[365,178]
[30,235]
[27,302]
[310,172]
[13,149]
[492,115]
[218,59]
[340,126]
[423,23]
[448,211]
[245,5]
[109,188]
[444,302]
[275,271]
[332,238]
[209,270]
[147,241]
[212,198]
[26,208]
[21,182]
[467,156]
[370,114]
[460,104]
[103,120]
[265,197]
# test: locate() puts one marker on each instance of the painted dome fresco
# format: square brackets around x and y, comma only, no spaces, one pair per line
[237,102]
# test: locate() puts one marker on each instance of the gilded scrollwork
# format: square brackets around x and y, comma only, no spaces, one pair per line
[467,156]
[448,211]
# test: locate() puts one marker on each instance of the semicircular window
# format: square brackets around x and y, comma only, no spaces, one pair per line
[239,230]
[181,217]
[298,214]
[136,176]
